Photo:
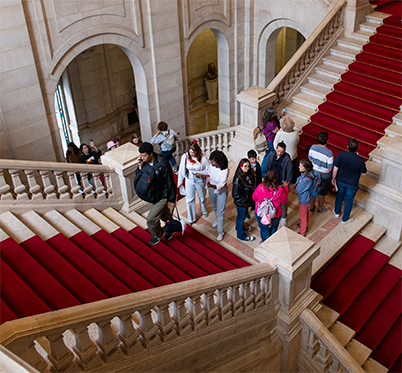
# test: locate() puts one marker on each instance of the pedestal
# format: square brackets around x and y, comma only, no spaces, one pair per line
[212,90]
[293,256]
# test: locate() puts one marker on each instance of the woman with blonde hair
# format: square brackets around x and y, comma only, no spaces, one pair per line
[192,163]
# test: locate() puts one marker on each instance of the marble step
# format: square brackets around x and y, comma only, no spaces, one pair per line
[337,61]
[15,228]
[301,111]
[376,18]
[358,351]
[315,90]
[344,52]
[396,259]
[371,366]
[352,43]
[323,80]
[373,231]
[364,34]
[373,168]
[389,247]
[342,333]
[393,130]
[332,71]
[368,27]
[327,315]
[361,198]
[375,155]
[307,100]
[397,119]
[368,182]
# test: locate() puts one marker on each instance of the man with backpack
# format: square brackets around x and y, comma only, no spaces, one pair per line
[322,159]
[154,183]
[166,138]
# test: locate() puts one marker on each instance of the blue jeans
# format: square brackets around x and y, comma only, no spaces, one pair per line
[267,230]
[345,192]
[264,161]
[240,218]
[168,155]
[218,202]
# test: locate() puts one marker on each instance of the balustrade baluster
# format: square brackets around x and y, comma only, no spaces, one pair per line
[266,287]
[323,358]
[224,304]
[248,297]
[335,367]
[48,187]
[165,323]
[181,318]
[219,142]
[210,308]
[61,185]
[237,301]
[86,186]
[60,356]
[34,188]
[312,344]
[197,314]
[85,348]
[148,330]
[108,342]
[258,293]
[108,182]
[74,186]
[19,187]
[99,188]
[4,188]
[128,335]
[26,351]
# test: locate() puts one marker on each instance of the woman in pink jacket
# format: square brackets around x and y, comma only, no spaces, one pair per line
[269,188]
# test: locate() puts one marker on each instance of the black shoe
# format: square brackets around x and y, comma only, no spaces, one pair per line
[154,241]
[168,236]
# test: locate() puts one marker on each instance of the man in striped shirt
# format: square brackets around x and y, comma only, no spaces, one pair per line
[323,160]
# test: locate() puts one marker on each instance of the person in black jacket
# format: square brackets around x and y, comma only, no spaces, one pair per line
[154,183]
[242,193]
[90,154]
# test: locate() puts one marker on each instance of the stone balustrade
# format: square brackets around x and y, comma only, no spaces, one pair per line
[27,183]
[158,318]
[321,351]
[294,73]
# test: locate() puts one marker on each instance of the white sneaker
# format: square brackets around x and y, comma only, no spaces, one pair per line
[214,225]
[220,237]
[283,222]
[335,214]
[205,215]
[348,221]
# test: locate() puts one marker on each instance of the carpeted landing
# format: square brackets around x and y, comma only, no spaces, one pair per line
[366,291]
[42,272]
[368,96]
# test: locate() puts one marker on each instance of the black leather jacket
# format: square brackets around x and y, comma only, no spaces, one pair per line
[243,194]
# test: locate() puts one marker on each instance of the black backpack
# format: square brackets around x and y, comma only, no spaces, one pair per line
[146,184]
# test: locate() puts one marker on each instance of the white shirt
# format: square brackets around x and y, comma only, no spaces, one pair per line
[219,178]
[291,139]
[192,168]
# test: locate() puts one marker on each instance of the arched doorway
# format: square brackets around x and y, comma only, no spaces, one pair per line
[95,98]
[203,109]
[281,46]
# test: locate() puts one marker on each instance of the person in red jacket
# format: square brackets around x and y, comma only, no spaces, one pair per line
[269,188]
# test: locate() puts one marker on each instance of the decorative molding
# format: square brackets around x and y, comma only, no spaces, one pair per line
[196,12]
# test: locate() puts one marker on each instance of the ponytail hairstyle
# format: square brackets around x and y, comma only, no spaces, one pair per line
[271,180]
[306,163]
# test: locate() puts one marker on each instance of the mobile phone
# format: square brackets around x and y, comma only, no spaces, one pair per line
[284,111]
[140,160]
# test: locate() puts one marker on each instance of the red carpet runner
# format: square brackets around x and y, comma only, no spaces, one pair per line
[366,291]
[38,276]
[363,104]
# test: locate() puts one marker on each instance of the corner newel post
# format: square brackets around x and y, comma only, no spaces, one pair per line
[253,103]
[293,256]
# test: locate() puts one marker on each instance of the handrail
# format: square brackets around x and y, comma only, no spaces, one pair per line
[194,306]
[297,68]
[328,344]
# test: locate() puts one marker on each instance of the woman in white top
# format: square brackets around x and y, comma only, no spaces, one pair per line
[191,164]
[217,175]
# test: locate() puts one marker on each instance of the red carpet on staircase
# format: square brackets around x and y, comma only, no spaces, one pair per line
[41,276]
[366,291]
[369,94]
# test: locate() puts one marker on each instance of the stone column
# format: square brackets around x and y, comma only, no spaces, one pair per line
[293,256]
[385,199]
[123,160]
[253,102]
[355,13]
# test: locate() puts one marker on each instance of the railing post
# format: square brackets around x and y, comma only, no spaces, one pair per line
[385,199]
[124,161]
[355,13]
[253,102]
[293,255]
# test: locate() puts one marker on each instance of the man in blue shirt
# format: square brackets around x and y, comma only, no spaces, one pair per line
[348,167]
[322,159]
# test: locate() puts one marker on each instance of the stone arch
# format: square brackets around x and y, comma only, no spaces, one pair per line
[226,115]
[267,41]
[140,77]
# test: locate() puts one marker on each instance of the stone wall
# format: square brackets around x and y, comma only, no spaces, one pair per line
[39,39]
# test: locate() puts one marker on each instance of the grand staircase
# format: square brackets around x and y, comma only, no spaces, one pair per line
[54,261]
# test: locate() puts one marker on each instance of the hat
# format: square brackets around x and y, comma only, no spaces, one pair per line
[146,147]
[110,144]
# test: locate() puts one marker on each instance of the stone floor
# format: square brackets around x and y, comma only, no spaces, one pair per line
[325,229]
[203,117]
